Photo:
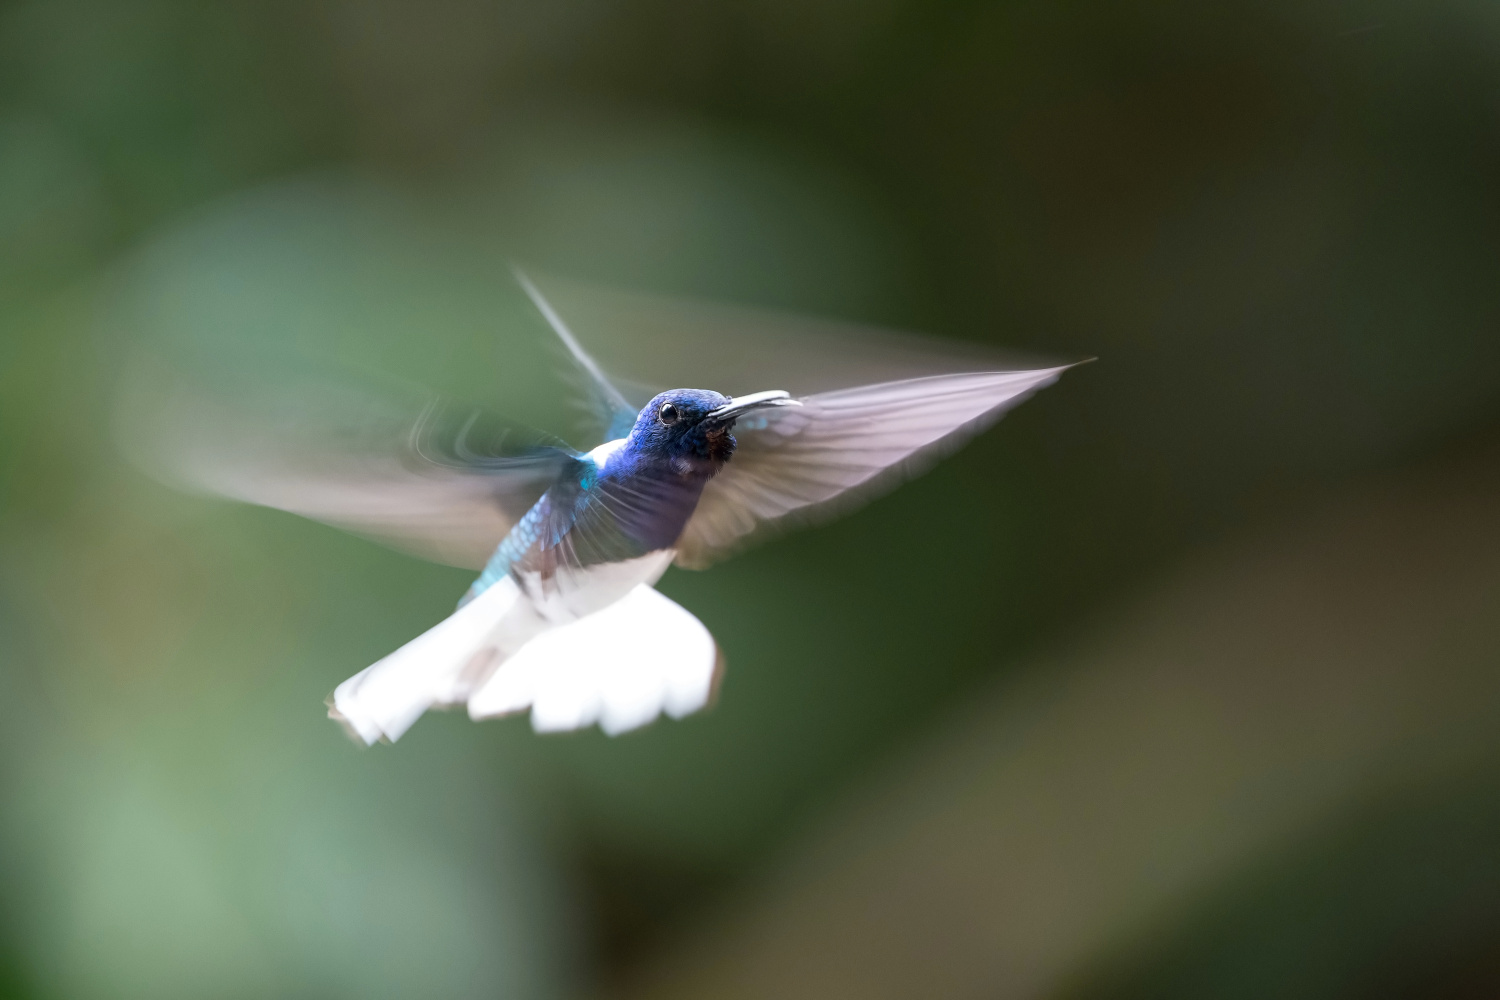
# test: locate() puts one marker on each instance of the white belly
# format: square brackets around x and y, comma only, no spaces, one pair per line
[573,593]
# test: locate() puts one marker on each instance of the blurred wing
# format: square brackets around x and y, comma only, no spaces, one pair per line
[839,448]
[431,484]
[615,412]
[652,342]
[455,516]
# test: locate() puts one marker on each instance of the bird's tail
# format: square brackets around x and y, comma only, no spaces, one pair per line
[442,666]
[620,667]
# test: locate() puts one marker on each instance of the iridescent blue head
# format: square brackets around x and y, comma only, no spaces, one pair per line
[691,428]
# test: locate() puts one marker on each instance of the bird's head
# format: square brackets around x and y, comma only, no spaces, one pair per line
[690,428]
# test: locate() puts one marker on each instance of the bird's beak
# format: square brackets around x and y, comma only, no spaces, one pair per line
[742,405]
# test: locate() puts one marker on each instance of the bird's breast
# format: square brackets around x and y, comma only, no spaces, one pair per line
[653,507]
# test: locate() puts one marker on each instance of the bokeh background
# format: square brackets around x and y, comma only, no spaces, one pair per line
[1184,681]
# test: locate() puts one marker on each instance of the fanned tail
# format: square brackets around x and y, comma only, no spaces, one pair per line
[442,666]
[620,667]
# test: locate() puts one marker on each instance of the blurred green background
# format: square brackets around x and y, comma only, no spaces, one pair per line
[1181,682]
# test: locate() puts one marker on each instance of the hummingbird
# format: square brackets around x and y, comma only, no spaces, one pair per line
[563,619]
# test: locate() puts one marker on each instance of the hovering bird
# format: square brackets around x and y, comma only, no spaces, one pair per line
[563,620]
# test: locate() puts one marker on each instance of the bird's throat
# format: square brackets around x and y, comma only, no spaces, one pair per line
[719,446]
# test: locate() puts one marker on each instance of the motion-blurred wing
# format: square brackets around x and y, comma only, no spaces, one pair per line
[839,448]
[432,484]
[454,516]
[615,413]
[651,342]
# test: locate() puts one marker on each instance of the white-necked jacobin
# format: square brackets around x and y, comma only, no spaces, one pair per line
[564,620]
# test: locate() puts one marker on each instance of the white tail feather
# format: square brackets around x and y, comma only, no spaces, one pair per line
[620,667]
[442,666]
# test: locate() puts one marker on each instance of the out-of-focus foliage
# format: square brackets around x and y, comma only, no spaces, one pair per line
[1276,224]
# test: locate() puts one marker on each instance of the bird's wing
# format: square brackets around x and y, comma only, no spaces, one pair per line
[649,342]
[440,484]
[615,413]
[838,449]
[430,481]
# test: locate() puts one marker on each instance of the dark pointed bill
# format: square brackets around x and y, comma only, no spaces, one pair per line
[741,405]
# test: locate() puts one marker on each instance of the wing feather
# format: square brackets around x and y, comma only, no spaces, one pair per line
[454,516]
[839,449]
[422,481]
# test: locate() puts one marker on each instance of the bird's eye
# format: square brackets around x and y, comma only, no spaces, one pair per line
[668,414]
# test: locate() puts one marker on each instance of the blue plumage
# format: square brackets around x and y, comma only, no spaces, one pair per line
[629,497]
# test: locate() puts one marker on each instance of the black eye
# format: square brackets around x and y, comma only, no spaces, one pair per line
[668,414]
